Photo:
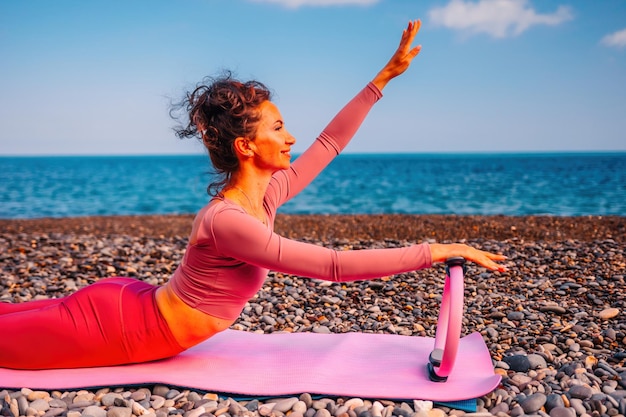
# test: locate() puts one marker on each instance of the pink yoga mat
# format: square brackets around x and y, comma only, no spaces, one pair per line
[242,363]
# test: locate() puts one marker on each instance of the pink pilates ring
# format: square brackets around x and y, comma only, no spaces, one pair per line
[448,334]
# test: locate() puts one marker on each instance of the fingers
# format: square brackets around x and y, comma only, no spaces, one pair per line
[496,256]
[495,267]
[413,53]
[440,252]
[488,260]
[408,34]
[414,27]
[491,257]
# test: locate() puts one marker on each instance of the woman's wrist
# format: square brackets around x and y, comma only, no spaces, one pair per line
[436,251]
[381,80]
[439,252]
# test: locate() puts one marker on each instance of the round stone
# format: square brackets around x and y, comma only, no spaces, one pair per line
[515,316]
[562,412]
[40,405]
[608,313]
[533,403]
[580,391]
[108,400]
[119,412]
[94,411]
[285,405]
[517,363]
[536,361]
[554,401]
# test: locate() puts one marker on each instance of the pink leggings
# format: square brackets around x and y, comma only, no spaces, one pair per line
[114,321]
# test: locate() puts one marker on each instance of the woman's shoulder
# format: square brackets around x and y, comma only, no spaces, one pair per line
[204,221]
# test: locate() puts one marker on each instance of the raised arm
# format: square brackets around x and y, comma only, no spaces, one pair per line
[339,132]
[288,183]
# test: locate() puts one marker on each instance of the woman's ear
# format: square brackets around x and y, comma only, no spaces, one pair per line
[242,147]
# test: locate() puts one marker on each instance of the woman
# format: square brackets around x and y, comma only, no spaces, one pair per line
[231,246]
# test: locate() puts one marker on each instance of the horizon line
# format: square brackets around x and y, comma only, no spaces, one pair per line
[381,153]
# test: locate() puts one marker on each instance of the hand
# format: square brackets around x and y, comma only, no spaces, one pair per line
[402,58]
[440,252]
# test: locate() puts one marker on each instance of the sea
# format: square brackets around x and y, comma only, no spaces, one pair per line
[511,184]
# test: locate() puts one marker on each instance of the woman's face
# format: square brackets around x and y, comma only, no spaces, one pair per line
[272,143]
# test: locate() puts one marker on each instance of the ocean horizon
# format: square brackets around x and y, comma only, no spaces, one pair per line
[513,184]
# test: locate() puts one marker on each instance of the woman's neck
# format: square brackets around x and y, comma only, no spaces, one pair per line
[248,192]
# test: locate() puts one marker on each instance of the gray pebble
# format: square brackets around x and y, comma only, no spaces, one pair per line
[160,390]
[108,400]
[285,405]
[53,412]
[517,411]
[306,399]
[562,412]
[553,401]
[22,405]
[94,411]
[156,401]
[401,412]
[515,315]
[493,333]
[322,413]
[252,405]
[119,412]
[533,403]
[139,395]
[172,393]
[517,363]
[500,408]
[40,405]
[536,361]
[57,403]
[552,309]
[299,407]
[578,406]
[196,412]
[581,392]
[268,320]
[80,404]
[321,329]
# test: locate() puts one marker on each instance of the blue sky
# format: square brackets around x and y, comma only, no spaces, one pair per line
[96,77]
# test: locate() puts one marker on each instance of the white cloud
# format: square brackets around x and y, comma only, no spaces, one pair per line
[498,18]
[617,39]
[294,4]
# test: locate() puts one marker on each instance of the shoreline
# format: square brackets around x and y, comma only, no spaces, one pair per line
[419,227]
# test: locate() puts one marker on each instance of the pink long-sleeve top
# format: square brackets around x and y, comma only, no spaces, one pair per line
[229,260]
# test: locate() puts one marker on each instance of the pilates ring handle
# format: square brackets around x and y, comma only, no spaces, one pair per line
[448,334]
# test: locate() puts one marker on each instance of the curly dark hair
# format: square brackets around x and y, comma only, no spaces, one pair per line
[219,110]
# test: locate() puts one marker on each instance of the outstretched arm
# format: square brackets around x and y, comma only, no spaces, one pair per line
[238,235]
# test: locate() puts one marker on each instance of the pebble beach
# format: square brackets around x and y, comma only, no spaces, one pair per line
[554,323]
